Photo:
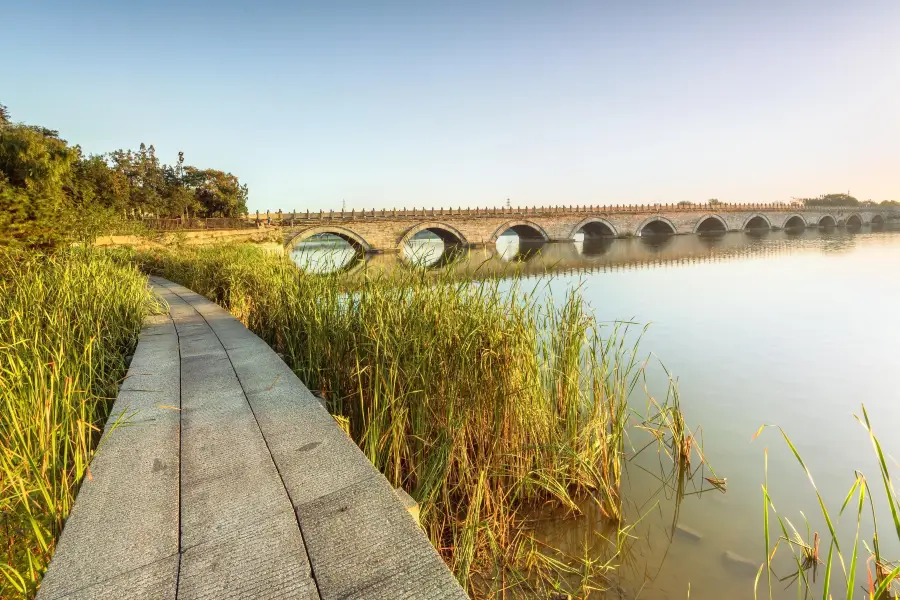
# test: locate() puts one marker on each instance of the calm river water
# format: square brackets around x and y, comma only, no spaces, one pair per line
[795,330]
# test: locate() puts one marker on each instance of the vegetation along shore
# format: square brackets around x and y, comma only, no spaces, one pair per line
[485,400]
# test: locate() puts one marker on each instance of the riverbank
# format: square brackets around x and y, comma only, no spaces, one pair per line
[164,239]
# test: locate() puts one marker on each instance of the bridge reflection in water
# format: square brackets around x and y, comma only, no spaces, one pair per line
[512,256]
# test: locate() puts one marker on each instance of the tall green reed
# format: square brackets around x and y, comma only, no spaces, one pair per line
[479,398]
[882,575]
[67,323]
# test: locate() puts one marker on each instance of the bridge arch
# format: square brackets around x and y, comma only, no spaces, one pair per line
[757,221]
[526,230]
[449,235]
[351,237]
[854,221]
[595,227]
[657,225]
[877,221]
[793,221]
[710,223]
[827,221]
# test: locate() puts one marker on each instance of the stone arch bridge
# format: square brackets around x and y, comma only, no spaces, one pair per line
[388,230]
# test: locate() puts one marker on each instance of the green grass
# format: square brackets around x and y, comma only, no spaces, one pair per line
[66,325]
[479,399]
[882,575]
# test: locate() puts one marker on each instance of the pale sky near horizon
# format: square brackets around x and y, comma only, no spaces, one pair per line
[465,103]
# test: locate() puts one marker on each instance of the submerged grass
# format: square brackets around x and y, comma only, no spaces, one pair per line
[67,323]
[482,401]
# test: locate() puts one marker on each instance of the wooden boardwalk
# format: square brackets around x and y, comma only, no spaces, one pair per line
[226,478]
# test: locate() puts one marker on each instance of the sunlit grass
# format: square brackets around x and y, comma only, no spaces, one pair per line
[66,325]
[481,399]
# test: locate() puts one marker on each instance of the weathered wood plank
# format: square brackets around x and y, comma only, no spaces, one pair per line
[231,480]
[123,528]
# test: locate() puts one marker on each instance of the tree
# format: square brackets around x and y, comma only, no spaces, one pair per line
[831,200]
[32,159]
[51,193]
[146,184]
[35,172]
[98,184]
[685,203]
[218,194]
[714,202]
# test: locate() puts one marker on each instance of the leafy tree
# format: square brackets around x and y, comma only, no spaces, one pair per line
[714,202]
[218,194]
[51,193]
[831,200]
[30,158]
[145,181]
[98,184]
[179,199]
[35,172]
[685,203]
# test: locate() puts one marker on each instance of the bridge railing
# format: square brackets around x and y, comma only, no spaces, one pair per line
[281,217]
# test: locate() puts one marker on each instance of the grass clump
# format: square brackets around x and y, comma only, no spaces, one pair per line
[67,323]
[482,401]
[877,578]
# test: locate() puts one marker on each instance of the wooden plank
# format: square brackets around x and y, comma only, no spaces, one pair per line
[124,525]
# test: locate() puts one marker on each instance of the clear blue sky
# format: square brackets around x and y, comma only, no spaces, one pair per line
[392,104]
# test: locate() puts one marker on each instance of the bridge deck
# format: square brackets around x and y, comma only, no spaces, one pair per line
[226,478]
